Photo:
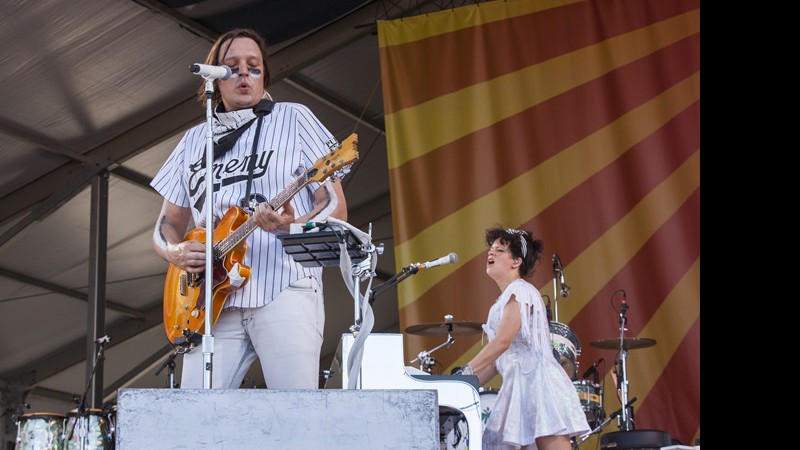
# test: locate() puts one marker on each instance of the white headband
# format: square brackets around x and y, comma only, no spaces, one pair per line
[521,234]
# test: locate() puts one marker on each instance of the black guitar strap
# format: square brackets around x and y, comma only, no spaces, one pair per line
[246,204]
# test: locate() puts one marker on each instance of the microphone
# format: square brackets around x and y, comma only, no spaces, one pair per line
[624,301]
[559,267]
[207,71]
[592,368]
[449,259]
[102,340]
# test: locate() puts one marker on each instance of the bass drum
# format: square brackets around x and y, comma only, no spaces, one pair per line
[566,348]
[488,397]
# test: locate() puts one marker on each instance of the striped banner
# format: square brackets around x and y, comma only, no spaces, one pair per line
[580,121]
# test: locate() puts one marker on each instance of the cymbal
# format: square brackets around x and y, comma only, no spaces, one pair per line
[459,328]
[630,343]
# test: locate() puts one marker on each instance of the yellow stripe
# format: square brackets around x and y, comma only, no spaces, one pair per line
[423,26]
[460,113]
[529,194]
[696,436]
[668,326]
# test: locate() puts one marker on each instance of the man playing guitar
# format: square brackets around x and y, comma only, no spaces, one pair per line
[277,313]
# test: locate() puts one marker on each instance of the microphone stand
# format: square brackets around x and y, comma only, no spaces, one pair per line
[170,362]
[208,338]
[393,281]
[558,273]
[555,287]
[82,404]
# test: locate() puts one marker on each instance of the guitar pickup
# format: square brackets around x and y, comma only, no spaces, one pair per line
[183,284]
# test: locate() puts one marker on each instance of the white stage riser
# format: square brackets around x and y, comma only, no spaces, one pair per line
[274,419]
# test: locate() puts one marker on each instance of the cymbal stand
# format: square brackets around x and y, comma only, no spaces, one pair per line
[424,356]
[625,417]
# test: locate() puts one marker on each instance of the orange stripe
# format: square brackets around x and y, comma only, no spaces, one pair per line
[673,404]
[494,49]
[525,140]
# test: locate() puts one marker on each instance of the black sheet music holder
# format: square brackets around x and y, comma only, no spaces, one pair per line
[321,248]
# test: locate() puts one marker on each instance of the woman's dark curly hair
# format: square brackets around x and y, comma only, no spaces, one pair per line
[214,58]
[512,238]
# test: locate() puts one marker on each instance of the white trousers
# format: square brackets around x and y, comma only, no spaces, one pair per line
[286,336]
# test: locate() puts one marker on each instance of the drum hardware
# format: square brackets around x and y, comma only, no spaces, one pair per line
[436,329]
[602,424]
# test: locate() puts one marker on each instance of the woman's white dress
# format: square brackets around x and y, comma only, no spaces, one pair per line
[537,397]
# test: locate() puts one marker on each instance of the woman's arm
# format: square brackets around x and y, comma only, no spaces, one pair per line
[483,364]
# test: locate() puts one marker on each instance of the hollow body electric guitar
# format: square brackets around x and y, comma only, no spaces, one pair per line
[184,292]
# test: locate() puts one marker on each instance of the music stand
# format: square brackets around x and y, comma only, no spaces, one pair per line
[321,248]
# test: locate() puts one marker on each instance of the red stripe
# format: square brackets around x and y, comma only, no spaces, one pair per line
[505,46]
[493,156]
[673,404]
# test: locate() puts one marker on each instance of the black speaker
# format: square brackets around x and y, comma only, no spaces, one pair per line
[635,440]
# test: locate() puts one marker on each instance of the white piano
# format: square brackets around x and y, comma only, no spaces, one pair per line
[382,367]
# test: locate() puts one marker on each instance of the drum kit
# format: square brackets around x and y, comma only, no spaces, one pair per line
[91,430]
[566,350]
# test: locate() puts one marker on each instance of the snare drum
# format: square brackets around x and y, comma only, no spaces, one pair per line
[566,348]
[488,397]
[591,397]
[40,431]
[93,428]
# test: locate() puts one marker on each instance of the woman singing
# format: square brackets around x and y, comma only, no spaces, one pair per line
[537,406]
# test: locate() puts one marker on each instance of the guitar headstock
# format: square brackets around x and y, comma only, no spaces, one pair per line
[344,155]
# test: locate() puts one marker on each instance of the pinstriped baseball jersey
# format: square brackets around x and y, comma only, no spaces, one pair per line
[290,137]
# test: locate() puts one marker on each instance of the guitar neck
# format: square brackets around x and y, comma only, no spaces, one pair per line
[240,234]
